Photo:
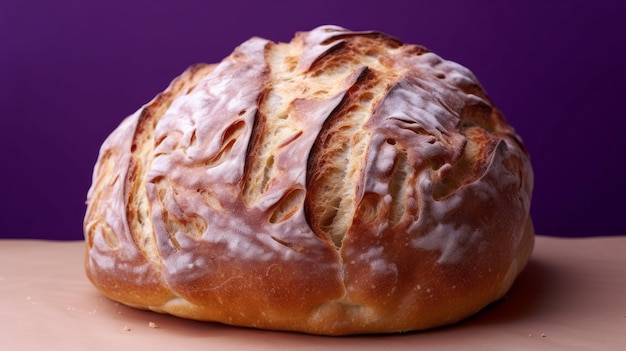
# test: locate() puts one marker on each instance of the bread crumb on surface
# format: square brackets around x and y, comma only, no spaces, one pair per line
[126,328]
[152,325]
[32,301]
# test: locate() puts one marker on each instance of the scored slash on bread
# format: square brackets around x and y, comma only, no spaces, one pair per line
[342,183]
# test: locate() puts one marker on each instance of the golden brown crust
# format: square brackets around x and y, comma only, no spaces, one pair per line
[342,183]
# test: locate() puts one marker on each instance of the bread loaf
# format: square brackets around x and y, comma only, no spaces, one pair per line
[342,183]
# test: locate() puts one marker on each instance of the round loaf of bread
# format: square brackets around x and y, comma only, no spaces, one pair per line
[342,183]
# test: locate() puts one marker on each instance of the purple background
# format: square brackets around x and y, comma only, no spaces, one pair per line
[71,70]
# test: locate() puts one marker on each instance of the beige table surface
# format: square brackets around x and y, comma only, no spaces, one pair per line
[572,296]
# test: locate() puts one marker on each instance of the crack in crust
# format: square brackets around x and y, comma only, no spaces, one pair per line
[336,160]
[142,148]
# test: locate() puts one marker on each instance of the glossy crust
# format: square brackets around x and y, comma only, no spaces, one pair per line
[342,183]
